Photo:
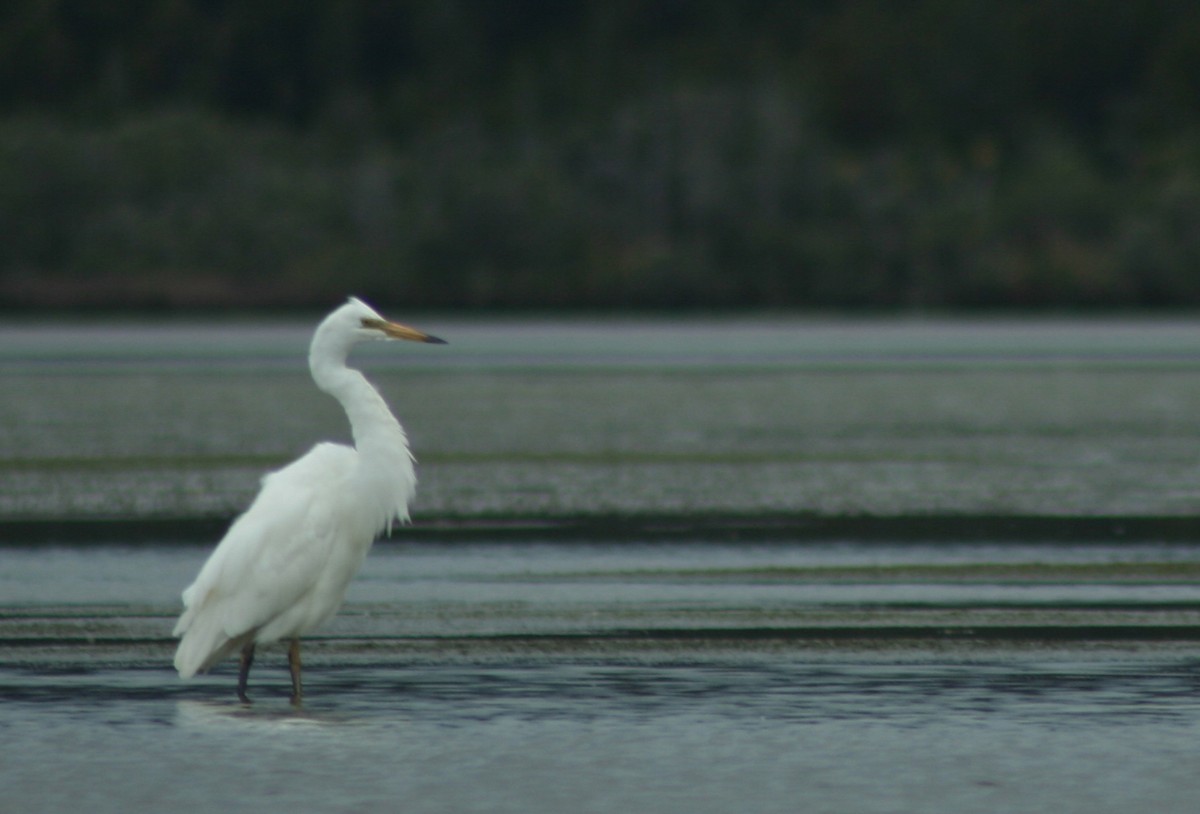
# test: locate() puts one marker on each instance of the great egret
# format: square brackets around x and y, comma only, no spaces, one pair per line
[282,568]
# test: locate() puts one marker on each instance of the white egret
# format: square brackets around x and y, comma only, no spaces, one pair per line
[282,568]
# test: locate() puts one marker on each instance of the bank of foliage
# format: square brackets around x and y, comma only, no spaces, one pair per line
[865,153]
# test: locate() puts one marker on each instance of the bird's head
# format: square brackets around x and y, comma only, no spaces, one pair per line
[359,322]
[356,322]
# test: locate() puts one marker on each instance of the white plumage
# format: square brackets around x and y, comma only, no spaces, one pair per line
[283,567]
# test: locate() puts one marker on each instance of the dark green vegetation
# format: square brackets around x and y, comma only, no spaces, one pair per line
[930,154]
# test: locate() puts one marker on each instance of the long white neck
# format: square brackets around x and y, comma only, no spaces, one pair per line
[371,422]
[385,473]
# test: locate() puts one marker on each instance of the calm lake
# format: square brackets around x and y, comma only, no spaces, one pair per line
[686,662]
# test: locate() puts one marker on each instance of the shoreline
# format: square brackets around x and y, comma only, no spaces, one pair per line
[724,527]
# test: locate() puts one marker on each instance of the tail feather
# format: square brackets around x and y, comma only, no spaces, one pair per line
[204,642]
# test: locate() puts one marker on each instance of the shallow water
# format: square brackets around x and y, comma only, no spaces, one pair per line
[542,418]
[622,677]
[818,673]
[1005,733]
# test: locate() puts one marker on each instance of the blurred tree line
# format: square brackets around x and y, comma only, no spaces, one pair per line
[601,153]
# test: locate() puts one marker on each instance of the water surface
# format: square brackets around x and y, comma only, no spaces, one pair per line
[541,418]
[820,672]
[616,677]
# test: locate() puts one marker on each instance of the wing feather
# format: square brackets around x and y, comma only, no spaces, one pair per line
[271,558]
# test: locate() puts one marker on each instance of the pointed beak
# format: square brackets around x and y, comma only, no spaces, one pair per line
[394,330]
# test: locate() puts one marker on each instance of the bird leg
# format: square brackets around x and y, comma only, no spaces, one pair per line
[294,667]
[244,671]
